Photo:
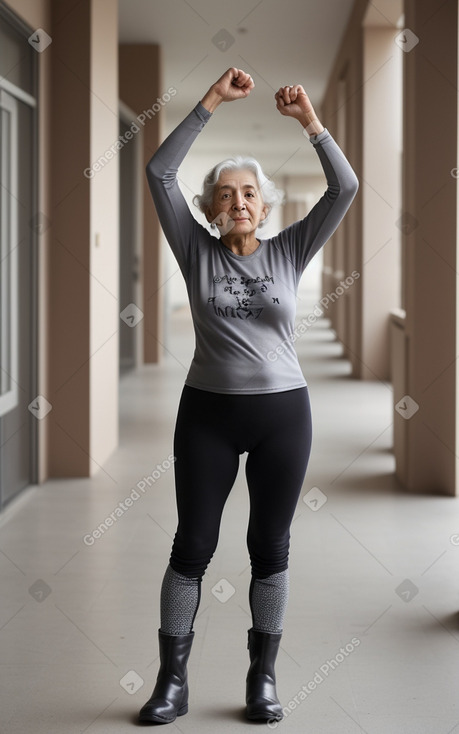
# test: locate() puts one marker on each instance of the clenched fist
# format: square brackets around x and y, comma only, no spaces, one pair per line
[233,84]
[293,101]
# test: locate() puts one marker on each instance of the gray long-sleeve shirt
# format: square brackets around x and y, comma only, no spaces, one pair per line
[244,306]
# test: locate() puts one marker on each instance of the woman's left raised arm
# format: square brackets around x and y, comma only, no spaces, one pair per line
[302,240]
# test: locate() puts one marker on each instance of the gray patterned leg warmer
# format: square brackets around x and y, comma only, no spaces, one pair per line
[180,597]
[268,601]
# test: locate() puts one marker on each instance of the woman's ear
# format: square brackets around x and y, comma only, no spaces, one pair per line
[209,216]
[264,212]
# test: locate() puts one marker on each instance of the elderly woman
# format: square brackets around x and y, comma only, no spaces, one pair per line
[242,292]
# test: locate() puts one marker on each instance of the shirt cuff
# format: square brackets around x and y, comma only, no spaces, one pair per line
[317,138]
[203,112]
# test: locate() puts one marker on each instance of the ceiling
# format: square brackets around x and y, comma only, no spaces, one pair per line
[278,42]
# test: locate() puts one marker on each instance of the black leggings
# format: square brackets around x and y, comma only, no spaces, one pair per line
[211,431]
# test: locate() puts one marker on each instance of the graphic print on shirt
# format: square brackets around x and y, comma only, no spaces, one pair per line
[241,297]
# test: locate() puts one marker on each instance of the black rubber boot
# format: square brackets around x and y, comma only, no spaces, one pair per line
[261,697]
[170,695]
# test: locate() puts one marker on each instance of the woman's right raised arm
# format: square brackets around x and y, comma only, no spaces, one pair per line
[175,217]
[178,223]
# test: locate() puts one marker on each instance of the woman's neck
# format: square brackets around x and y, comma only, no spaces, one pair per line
[241,244]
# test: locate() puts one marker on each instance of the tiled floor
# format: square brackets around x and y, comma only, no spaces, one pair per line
[373,571]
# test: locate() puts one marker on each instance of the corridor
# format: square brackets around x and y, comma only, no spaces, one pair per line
[371,633]
[96,341]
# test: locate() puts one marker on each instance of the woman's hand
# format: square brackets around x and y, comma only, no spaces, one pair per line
[293,101]
[233,84]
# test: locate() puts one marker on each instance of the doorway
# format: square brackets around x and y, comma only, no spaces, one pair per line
[130,214]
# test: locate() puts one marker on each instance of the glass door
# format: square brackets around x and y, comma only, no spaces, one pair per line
[17,317]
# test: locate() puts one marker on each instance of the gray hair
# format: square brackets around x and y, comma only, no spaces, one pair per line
[270,194]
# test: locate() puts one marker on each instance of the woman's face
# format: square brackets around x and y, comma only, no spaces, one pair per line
[237,205]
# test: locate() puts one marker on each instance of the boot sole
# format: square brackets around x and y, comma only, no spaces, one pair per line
[146,718]
[264,716]
[261,715]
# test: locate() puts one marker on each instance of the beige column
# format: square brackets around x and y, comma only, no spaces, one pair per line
[140,89]
[429,241]
[83,274]
[292,211]
[381,194]
[342,114]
